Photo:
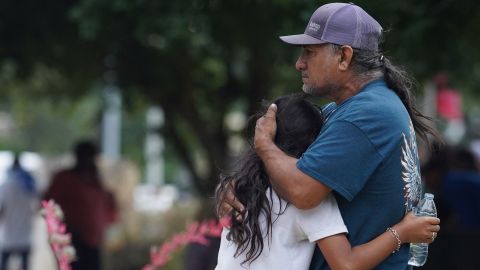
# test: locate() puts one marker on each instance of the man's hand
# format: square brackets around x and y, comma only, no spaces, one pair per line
[265,128]
[230,206]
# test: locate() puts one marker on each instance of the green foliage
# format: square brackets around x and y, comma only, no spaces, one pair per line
[47,126]
[197,59]
[432,36]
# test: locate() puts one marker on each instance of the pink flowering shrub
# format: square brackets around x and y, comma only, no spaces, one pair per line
[195,233]
[58,237]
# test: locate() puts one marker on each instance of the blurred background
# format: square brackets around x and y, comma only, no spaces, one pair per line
[164,88]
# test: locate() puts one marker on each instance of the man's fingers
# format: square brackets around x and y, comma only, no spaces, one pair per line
[236,205]
[265,128]
[237,215]
[224,210]
[232,201]
[272,110]
[228,209]
[231,205]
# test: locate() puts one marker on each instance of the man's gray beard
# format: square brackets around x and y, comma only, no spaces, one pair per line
[308,89]
[319,92]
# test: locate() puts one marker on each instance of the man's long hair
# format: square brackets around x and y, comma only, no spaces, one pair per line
[369,63]
[298,124]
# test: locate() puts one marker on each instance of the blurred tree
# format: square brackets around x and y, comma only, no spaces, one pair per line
[201,59]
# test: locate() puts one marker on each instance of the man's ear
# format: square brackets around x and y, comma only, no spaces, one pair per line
[346,53]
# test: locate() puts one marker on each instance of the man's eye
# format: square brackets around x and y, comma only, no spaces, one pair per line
[309,52]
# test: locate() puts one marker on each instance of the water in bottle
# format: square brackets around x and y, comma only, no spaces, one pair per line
[419,251]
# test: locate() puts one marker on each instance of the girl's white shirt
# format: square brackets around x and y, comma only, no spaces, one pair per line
[293,237]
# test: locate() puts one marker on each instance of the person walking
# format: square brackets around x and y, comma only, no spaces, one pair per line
[88,207]
[18,204]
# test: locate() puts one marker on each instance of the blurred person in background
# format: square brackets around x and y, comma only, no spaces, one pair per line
[453,176]
[88,207]
[461,188]
[18,205]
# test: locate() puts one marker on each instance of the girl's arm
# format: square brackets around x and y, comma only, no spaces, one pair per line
[341,255]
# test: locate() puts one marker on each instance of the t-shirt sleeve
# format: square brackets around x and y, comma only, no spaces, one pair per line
[342,157]
[322,221]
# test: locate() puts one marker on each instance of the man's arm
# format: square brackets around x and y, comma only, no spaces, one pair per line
[287,180]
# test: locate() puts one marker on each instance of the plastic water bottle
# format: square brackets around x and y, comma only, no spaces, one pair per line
[419,251]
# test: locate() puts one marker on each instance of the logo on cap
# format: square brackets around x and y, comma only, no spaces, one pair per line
[313,26]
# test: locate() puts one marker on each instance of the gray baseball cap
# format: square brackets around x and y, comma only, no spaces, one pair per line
[342,24]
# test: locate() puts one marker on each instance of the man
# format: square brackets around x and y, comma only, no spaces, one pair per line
[366,152]
[88,207]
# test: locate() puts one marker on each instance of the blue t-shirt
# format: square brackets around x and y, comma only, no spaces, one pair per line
[367,153]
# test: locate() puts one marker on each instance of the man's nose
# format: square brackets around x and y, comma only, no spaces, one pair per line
[300,65]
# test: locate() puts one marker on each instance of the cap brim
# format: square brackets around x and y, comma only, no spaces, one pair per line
[302,39]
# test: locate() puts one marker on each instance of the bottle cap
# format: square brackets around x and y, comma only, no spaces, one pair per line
[429,196]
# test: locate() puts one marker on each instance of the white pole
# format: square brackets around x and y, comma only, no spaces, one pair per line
[111,124]
[154,147]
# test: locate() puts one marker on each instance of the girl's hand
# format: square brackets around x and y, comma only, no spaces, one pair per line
[416,229]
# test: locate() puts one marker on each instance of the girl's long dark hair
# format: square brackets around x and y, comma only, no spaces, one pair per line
[298,124]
